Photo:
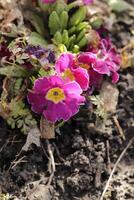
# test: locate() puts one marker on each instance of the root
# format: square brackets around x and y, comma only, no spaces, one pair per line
[120,130]
[51,164]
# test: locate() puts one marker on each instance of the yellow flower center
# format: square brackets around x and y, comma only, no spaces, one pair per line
[85,66]
[68,74]
[55,95]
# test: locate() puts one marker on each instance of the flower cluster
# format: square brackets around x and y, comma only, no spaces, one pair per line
[59,97]
[62,61]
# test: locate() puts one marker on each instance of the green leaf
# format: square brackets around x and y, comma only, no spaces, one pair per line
[83,42]
[19,123]
[80,35]
[60,6]
[62,48]
[43,6]
[96,22]
[54,23]
[37,21]
[36,39]
[65,37]
[76,49]
[64,19]
[78,16]
[72,30]
[119,5]
[14,71]
[82,25]
[18,85]
[72,41]
[58,38]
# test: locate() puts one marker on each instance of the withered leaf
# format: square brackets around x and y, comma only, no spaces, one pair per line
[32,138]
[109,95]
[47,129]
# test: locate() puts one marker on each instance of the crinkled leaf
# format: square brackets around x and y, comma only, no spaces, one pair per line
[14,71]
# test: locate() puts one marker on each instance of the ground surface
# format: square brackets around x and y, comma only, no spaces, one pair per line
[84,155]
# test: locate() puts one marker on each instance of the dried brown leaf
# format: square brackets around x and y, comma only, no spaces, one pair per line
[109,95]
[47,129]
[32,138]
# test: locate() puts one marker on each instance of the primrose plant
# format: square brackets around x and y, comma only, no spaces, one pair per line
[49,71]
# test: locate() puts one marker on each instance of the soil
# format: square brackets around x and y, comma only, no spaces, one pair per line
[84,154]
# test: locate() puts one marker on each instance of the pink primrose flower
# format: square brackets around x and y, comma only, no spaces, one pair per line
[104,61]
[65,67]
[55,99]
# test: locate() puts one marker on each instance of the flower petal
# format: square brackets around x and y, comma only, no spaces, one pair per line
[95,79]
[115,77]
[38,102]
[41,85]
[87,58]
[101,67]
[55,81]
[72,88]
[81,77]
[57,112]
[65,61]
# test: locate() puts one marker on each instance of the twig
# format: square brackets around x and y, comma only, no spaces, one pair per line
[120,130]
[52,163]
[115,166]
[108,157]
[15,160]
[15,163]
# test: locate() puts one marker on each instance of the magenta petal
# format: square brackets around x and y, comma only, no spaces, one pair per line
[57,112]
[74,102]
[55,81]
[115,77]
[37,102]
[87,58]
[41,85]
[77,99]
[65,61]
[95,79]
[72,88]
[82,77]
[101,67]
[63,111]
[50,113]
